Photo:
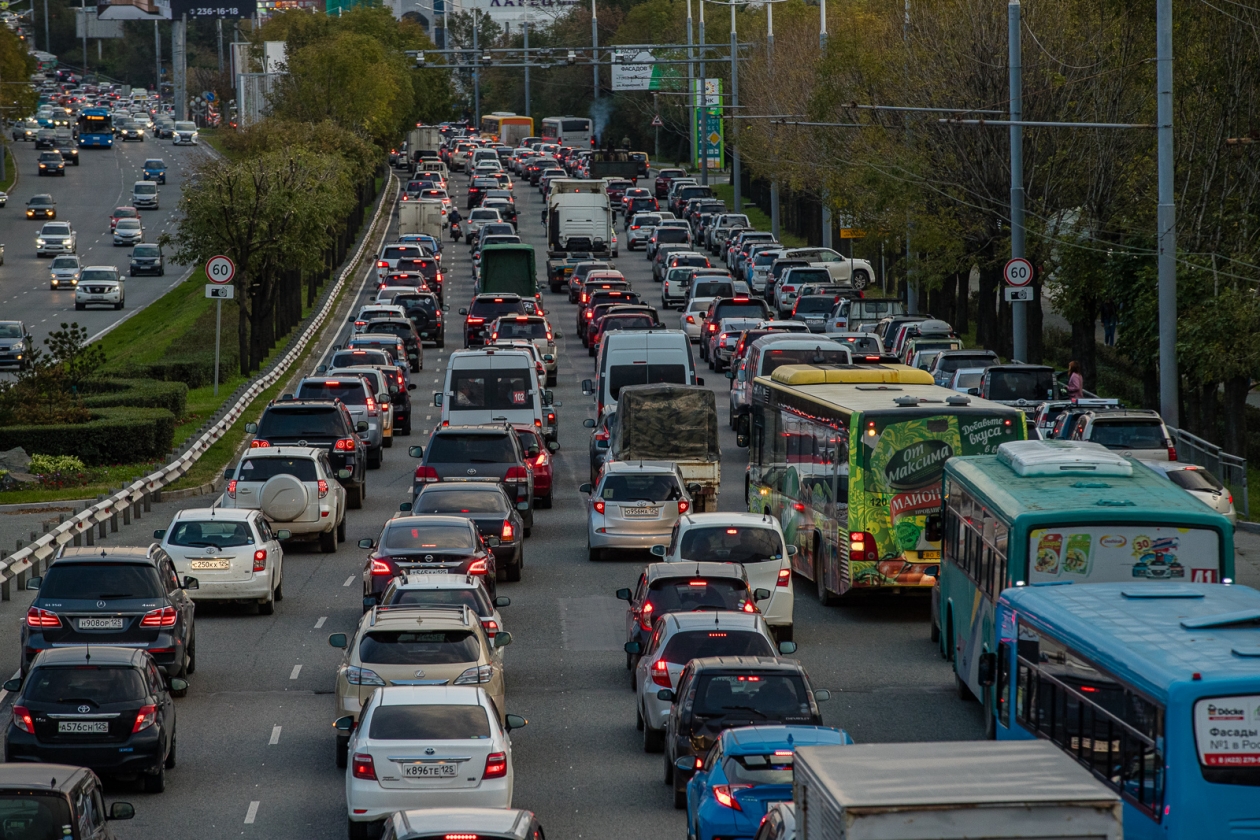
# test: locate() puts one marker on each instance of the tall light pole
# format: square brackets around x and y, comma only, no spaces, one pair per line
[476,74]
[704,105]
[47,37]
[1019,315]
[157,52]
[692,112]
[83,3]
[826,196]
[595,47]
[774,182]
[735,175]
[1167,216]
[525,34]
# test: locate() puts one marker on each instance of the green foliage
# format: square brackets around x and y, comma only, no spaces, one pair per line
[137,393]
[54,463]
[46,390]
[111,436]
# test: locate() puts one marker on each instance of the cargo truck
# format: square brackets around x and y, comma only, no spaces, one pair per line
[420,217]
[508,269]
[423,142]
[977,790]
[605,164]
[675,423]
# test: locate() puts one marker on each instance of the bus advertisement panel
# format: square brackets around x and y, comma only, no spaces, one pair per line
[1116,553]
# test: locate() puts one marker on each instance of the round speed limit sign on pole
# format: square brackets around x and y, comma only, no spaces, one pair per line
[1018,272]
[220,270]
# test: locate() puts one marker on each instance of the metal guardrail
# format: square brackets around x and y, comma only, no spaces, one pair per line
[1230,469]
[81,527]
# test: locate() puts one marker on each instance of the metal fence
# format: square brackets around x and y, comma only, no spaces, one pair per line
[1230,469]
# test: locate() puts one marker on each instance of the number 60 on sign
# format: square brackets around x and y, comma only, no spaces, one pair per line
[220,270]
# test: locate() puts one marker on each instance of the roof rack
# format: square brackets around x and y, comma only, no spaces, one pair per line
[402,610]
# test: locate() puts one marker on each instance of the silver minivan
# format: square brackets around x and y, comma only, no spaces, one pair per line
[144,195]
[634,505]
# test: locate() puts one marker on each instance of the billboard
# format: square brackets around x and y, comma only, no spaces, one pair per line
[96,28]
[512,13]
[709,126]
[133,9]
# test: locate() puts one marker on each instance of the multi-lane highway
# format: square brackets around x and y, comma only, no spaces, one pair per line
[85,196]
[255,737]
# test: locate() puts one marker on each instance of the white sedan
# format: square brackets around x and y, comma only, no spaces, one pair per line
[233,554]
[693,318]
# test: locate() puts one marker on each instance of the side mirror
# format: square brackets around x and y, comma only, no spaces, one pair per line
[493,541]
[975,392]
[463,311]
[786,648]
[178,685]
[511,722]
[822,695]
[34,583]
[658,551]
[13,685]
[793,551]
[687,763]
[502,639]
[251,428]
[741,440]
[191,582]
[503,601]
[159,533]
[383,399]
[666,694]
[588,387]
[553,445]
[623,594]
[547,397]
[633,648]
[588,423]
[121,811]
[694,489]
[369,601]
[585,488]
[987,669]
[344,724]
[368,544]
[761,594]
[324,368]
[361,426]
[404,507]
[415,451]
[283,534]
[437,399]
[558,335]
[338,640]
[547,357]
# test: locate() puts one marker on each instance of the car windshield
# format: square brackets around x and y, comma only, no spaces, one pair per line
[429,536]
[419,647]
[693,644]
[99,276]
[771,769]
[772,696]
[1034,385]
[1129,434]
[815,303]
[350,393]
[968,380]
[10,331]
[697,593]
[128,224]
[145,251]
[154,164]
[428,723]
[730,544]
[207,532]
[144,189]
[491,390]
[100,581]
[93,684]
[619,376]
[636,487]
[65,262]
[307,421]
[459,448]
[185,126]
[435,500]
[262,469]
[56,230]
[34,816]
[41,201]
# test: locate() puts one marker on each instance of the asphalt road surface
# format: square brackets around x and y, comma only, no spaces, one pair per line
[256,742]
[86,196]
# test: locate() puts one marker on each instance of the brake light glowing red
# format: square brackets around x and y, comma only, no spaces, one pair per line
[683,506]
[231,489]
[660,673]
[496,766]
[862,546]
[516,475]
[363,767]
[257,443]
[600,506]
[382,568]
[165,617]
[785,577]
[22,719]
[645,616]
[260,560]
[36,617]
[725,795]
[344,445]
[323,487]
[478,567]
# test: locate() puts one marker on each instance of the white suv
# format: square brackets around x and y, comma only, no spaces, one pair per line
[234,555]
[294,486]
[56,238]
[100,285]
[754,541]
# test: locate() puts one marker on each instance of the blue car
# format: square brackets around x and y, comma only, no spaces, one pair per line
[748,770]
[155,170]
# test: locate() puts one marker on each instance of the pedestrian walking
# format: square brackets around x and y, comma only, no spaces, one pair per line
[1110,318]
[1075,382]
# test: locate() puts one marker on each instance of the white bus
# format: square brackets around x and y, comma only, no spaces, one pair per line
[568,131]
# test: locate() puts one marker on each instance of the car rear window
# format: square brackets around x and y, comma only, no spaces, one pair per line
[798,277]
[97,581]
[619,376]
[815,303]
[1034,385]
[634,487]
[693,644]
[712,288]
[672,234]
[774,695]
[773,359]
[308,421]
[393,252]
[751,309]
[208,532]
[429,723]
[424,266]
[729,544]
[102,683]
[461,501]
[461,448]
[261,469]
[771,769]
[1129,434]
[1198,480]
[352,358]
[968,380]
[697,593]
[627,322]
[491,308]
[491,390]
[419,647]
[350,393]
[473,598]
[435,536]
[522,329]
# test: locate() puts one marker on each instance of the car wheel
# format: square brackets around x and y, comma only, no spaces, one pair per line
[191,667]
[680,796]
[170,756]
[860,279]
[782,634]
[653,739]
[528,531]
[513,572]
[388,442]
[341,529]
[79,307]
[358,830]
[545,502]
[374,463]
[638,719]
[343,748]
[155,782]
[279,593]
[354,497]
[595,555]
[669,768]
[825,596]
[268,607]
[118,305]
[328,541]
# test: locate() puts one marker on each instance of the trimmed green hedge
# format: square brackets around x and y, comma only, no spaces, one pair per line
[136,393]
[113,436]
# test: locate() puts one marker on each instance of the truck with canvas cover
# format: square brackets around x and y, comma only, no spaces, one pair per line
[666,422]
[420,217]
[423,142]
[613,164]
[508,269]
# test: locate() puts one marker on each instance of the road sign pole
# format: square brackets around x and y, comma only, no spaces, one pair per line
[1019,313]
[218,332]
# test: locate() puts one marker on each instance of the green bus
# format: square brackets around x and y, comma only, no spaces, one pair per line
[1058,512]
[849,459]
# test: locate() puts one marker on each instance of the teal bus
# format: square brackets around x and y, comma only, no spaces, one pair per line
[1153,687]
[1041,512]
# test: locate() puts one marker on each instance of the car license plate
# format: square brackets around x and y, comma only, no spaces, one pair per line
[640,512]
[83,726]
[96,297]
[210,564]
[440,571]
[929,555]
[100,624]
[430,771]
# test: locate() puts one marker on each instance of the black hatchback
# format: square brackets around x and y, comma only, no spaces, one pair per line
[405,330]
[473,454]
[490,510]
[102,707]
[128,595]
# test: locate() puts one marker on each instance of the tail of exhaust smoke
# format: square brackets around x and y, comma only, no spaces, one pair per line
[601,113]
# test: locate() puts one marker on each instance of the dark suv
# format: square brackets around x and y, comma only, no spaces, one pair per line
[39,799]
[723,692]
[325,424]
[129,596]
[97,706]
[736,307]
[487,452]
[484,311]
[405,330]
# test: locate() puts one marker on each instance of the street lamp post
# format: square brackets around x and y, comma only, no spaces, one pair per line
[595,47]
[525,35]
[1019,315]
[692,112]
[704,105]
[826,196]
[735,174]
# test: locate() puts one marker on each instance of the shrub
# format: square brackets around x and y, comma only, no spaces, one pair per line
[137,393]
[113,436]
[57,471]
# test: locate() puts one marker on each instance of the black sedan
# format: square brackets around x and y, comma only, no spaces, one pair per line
[95,706]
[126,595]
[427,545]
[489,509]
[146,258]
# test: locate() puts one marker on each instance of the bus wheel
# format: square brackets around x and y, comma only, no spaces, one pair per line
[825,596]
[961,687]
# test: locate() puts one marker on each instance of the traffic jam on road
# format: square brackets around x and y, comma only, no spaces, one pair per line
[555,548]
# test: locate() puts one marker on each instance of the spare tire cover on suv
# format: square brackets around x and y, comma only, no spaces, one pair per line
[283,498]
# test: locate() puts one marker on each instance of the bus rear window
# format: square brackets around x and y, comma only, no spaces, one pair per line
[771,360]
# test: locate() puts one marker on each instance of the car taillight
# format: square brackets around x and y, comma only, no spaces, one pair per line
[164,617]
[371,405]
[683,506]
[363,767]
[231,489]
[323,487]
[1172,452]
[517,475]
[787,289]
[22,719]
[508,533]
[471,320]
[35,617]
[660,673]
[600,506]
[496,766]
[691,319]
[146,717]
[645,616]
[344,445]
[490,626]
[256,443]
[382,568]
[382,264]
[785,577]
[862,546]
[478,567]
[750,607]
[427,474]
[725,795]
[260,560]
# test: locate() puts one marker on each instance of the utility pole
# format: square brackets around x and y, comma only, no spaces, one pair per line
[774,183]
[219,26]
[692,112]
[47,37]
[1019,315]
[1169,379]
[734,110]
[476,72]
[826,196]
[179,66]
[912,292]
[595,47]
[704,106]
[157,52]
[84,5]
[525,33]
[656,110]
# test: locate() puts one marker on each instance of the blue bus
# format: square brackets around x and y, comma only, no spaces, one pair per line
[96,128]
[1059,511]
[1153,687]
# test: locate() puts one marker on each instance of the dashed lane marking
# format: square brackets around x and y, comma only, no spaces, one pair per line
[252,812]
[275,733]
[349,581]
[321,621]
[297,669]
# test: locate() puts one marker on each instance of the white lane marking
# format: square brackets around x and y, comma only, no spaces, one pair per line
[349,581]
[252,812]
[275,735]
[297,669]
[321,621]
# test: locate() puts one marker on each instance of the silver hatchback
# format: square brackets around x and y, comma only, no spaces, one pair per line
[634,505]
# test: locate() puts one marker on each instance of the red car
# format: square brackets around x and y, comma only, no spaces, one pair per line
[664,178]
[122,213]
[531,439]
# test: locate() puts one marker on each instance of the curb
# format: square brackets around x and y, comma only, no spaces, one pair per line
[1249,527]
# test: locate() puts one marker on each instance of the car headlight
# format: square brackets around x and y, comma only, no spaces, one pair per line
[39,240]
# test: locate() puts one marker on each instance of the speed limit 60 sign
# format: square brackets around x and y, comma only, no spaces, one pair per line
[220,270]
[1018,272]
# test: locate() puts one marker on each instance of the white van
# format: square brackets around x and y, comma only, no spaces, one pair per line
[144,195]
[492,385]
[639,357]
